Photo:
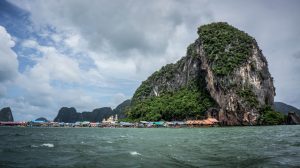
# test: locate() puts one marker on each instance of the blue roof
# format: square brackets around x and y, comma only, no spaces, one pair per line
[159,123]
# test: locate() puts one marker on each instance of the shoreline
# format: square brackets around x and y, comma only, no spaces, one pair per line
[232,126]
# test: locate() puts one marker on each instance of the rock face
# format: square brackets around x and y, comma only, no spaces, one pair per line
[240,94]
[70,115]
[96,115]
[224,62]
[293,118]
[6,114]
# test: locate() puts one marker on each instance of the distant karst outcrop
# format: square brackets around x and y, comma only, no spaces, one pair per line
[6,114]
[70,115]
[223,72]
[121,108]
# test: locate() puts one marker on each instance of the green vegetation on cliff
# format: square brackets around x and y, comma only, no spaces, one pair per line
[248,97]
[146,88]
[191,50]
[271,117]
[225,46]
[188,102]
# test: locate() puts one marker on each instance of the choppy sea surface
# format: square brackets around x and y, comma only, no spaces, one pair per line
[268,146]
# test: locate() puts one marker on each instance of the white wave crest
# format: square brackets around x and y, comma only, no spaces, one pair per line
[134,153]
[34,146]
[47,145]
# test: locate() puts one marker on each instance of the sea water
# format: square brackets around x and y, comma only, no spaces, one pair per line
[267,146]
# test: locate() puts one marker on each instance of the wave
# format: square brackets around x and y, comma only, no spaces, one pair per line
[134,153]
[34,146]
[49,145]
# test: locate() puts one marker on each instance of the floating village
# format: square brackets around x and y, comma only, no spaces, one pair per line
[113,122]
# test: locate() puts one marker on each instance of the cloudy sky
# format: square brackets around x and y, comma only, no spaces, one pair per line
[95,53]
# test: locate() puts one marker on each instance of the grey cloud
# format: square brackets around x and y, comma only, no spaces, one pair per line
[6,74]
[145,26]
[2,91]
[297,55]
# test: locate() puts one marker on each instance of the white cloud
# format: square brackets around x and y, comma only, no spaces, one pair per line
[52,72]
[55,80]
[8,58]
[53,65]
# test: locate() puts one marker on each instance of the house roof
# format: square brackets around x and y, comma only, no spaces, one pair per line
[158,123]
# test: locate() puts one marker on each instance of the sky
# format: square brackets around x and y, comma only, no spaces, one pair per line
[91,54]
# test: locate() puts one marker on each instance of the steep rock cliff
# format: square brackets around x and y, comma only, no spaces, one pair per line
[67,115]
[224,70]
[241,83]
[6,114]
[293,118]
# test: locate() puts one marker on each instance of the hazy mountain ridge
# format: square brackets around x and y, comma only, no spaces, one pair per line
[285,108]
[70,115]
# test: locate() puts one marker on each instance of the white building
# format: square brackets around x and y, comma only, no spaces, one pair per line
[111,120]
